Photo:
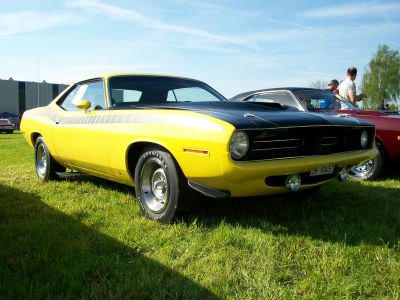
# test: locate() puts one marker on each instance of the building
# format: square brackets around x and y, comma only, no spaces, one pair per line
[19,96]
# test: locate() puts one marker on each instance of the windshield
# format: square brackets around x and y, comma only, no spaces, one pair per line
[281,97]
[345,104]
[323,100]
[143,90]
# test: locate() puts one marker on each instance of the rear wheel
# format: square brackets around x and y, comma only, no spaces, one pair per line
[159,185]
[46,166]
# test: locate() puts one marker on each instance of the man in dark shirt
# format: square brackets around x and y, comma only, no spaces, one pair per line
[333,86]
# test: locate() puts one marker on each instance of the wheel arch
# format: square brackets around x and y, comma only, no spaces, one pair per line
[34,137]
[381,146]
[134,150]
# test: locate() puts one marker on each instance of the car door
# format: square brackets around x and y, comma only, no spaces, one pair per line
[79,135]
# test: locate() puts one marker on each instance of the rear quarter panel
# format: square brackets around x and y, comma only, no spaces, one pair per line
[38,122]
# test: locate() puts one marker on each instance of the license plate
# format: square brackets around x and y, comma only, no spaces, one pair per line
[323,170]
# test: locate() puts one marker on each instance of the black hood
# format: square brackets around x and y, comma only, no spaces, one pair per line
[244,115]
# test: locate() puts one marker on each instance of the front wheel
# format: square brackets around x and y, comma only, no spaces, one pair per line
[45,165]
[158,185]
[369,170]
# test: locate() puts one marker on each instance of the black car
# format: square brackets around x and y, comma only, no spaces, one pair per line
[324,101]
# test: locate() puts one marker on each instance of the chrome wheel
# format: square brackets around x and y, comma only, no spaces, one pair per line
[158,185]
[41,160]
[363,170]
[45,165]
[369,170]
[154,185]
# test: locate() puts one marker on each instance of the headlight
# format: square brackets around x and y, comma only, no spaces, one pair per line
[364,139]
[239,144]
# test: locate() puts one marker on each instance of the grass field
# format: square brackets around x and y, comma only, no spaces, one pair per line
[85,238]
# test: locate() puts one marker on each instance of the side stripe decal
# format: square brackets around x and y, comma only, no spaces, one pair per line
[128,118]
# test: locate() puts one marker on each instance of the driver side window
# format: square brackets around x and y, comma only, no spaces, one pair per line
[91,91]
[67,103]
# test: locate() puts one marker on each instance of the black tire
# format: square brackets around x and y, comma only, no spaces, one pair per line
[45,165]
[159,185]
[370,170]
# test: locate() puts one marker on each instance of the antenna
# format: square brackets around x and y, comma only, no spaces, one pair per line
[38,84]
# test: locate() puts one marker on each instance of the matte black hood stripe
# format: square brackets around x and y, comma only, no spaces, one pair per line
[244,115]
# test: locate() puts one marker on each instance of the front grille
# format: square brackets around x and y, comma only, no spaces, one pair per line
[304,141]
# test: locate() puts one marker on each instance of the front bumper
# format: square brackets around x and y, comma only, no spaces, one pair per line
[248,179]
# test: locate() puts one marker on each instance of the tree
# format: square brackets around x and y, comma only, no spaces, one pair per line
[381,81]
[317,84]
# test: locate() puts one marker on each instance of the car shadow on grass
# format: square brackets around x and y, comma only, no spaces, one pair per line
[352,213]
[391,172]
[47,254]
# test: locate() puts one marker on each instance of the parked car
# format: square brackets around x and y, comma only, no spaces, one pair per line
[315,100]
[164,135]
[6,126]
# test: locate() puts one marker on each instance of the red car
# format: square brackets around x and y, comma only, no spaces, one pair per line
[307,99]
[6,126]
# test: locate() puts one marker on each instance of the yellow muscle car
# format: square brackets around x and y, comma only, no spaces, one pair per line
[165,135]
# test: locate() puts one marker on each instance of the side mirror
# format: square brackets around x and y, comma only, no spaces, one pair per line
[83,104]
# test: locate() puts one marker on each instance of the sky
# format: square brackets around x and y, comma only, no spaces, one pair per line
[235,46]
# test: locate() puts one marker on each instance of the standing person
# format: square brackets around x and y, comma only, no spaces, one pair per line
[382,105]
[333,86]
[347,88]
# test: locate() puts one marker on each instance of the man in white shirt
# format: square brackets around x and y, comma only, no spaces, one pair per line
[347,87]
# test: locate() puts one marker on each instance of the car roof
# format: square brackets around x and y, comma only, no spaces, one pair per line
[291,89]
[106,76]
[114,74]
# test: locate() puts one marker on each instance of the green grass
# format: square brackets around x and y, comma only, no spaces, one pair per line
[85,238]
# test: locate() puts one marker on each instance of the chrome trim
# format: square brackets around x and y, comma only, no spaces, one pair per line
[274,141]
[303,156]
[275,148]
[306,126]
[248,115]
